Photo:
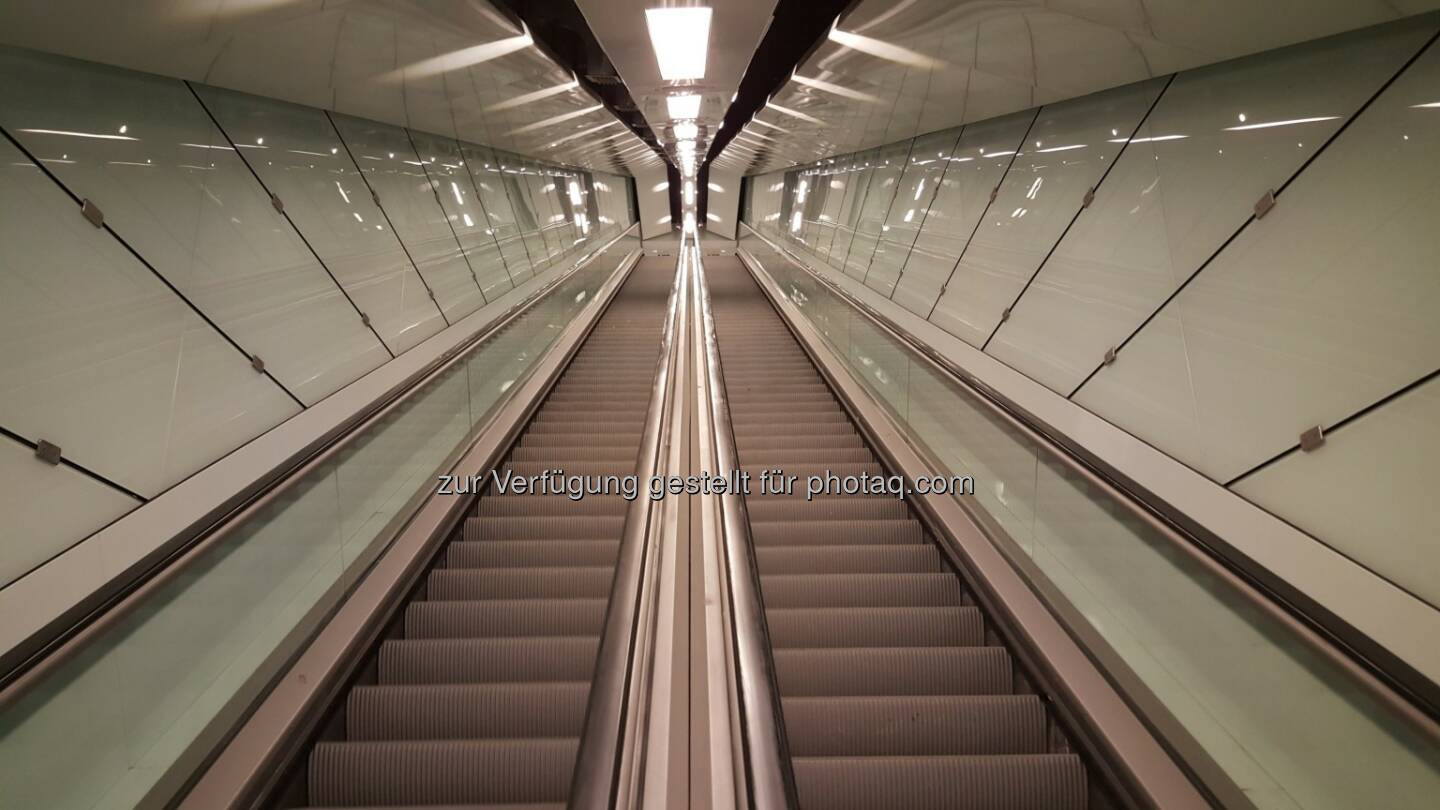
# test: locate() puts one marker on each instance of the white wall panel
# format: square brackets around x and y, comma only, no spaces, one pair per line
[445,167]
[299,157]
[393,170]
[47,508]
[929,157]
[98,356]
[1069,148]
[490,183]
[1369,491]
[1312,313]
[977,165]
[174,189]
[1186,183]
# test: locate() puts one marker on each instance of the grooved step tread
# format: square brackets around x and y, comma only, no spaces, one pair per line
[488,660]
[466,711]
[915,725]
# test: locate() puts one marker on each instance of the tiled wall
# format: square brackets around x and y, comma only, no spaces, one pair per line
[1121,249]
[254,257]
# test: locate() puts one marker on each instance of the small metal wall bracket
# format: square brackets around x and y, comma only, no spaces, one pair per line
[47,452]
[1110,356]
[1264,204]
[1005,316]
[994,192]
[431,292]
[256,363]
[365,319]
[1312,438]
[92,212]
[1089,198]
[277,203]
[374,195]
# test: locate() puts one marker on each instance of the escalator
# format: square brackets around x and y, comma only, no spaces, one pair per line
[893,689]
[482,699]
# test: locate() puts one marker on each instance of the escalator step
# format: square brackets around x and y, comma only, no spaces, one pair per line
[591,582]
[852,559]
[351,774]
[466,711]
[875,627]
[764,510]
[836,532]
[504,618]
[915,725]
[860,590]
[1024,782]
[492,506]
[588,527]
[489,660]
[506,554]
[893,670]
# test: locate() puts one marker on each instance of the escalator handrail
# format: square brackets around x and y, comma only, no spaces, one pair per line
[187,550]
[769,777]
[597,763]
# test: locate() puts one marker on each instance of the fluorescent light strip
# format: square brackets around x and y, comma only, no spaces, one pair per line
[1269,124]
[680,37]
[1150,140]
[1065,148]
[97,135]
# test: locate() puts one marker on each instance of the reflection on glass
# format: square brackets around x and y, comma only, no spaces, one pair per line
[489,182]
[174,189]
[1240,682]
[975,167]
[1186,182]
[395,173]
[297,154]
[928,160]
[525,213]
[889,164]
[1068,149]
[450,179]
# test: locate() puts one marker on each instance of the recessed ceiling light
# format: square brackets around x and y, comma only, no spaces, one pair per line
[685,106]
[680,37]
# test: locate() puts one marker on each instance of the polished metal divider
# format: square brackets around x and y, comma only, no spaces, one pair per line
[763,776]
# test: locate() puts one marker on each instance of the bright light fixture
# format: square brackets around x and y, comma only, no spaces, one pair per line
[684,106]
[680,37]
[686,131]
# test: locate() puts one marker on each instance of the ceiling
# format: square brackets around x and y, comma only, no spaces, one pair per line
[893,69]
[736,27]
[451,67]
